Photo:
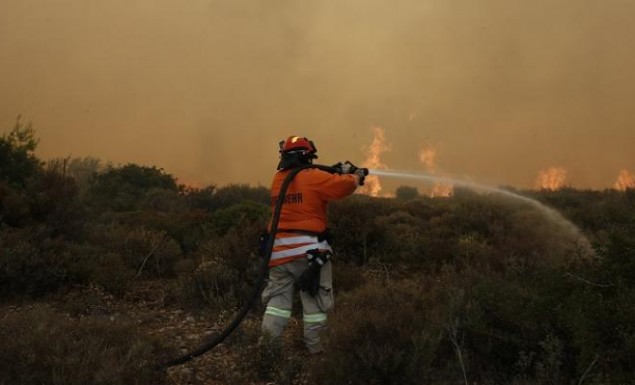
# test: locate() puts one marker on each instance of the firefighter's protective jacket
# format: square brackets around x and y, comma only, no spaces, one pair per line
[304,209]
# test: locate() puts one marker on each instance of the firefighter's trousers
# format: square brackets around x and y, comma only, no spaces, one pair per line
[278,297]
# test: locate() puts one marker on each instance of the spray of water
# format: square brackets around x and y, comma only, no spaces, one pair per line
[552,215]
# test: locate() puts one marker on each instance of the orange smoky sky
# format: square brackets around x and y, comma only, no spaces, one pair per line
[206,88]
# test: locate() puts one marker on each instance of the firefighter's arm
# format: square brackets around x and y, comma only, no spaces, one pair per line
[335,186]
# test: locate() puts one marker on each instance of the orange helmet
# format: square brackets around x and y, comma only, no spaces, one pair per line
[298,145]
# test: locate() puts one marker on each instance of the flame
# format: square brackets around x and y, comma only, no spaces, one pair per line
[372,186]
[441,190]
[427,156]
[551,179]
[625,180]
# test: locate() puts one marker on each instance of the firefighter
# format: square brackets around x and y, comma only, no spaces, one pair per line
[301,256]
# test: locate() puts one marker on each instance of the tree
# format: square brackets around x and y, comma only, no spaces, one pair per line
[17,158]
[124,188]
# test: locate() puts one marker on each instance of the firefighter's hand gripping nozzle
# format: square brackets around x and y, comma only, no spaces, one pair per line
[349,168]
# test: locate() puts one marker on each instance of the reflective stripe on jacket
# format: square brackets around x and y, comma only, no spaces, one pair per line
[288,247]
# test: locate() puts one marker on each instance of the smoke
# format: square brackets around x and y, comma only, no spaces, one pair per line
[206,88]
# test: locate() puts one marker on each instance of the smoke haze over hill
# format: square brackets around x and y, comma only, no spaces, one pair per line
[206,88]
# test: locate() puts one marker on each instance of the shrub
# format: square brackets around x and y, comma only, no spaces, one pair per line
[213,285]
[270,361]
[30,267]
[228,268]
[14,207]
[352,223]
[238,248]
[239,193]
[40,346]
[109,271]
[124,188]
[239,215]
[399,238]
[55,201]
[189,228]
[150,253]
[162,201]
[406,192]
[384,335]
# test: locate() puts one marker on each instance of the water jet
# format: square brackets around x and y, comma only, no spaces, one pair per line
[551,214]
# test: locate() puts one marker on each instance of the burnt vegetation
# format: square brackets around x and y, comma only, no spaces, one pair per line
[474,288]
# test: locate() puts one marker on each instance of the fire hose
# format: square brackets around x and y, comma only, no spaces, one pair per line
[262,276]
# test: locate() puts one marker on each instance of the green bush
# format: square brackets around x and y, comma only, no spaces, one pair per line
[233,194]
[125,188]
[352,223]
[15,209]
[54,201]
[213,285]
[228,269]
[190,229]
[151,253]
[17,155]
[109,271]
[238,216]
[385,334]
[40,346]
[29,266]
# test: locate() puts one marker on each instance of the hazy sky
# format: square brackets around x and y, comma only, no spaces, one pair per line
[206,88]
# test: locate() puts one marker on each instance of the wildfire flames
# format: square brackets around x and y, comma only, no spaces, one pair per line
[625,180]
[372,186]
[551,179]
[427,156]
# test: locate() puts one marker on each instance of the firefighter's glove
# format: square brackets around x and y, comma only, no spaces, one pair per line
[349,168]
[309,281]
[361,173]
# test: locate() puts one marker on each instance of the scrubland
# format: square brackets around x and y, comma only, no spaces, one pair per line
[106,271]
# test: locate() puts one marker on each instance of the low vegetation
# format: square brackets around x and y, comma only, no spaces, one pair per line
[474,288]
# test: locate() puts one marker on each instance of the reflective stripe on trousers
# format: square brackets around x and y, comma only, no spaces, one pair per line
[271,310]
[314,318]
